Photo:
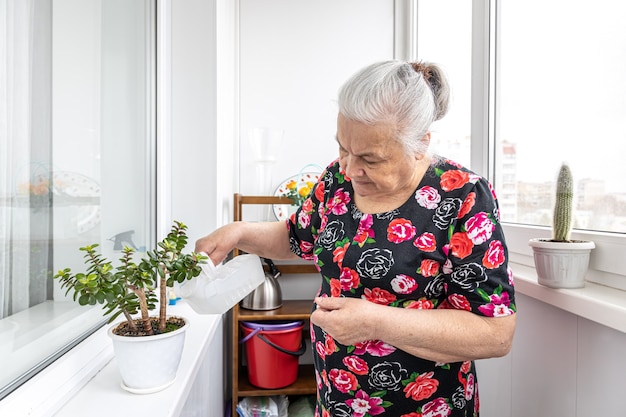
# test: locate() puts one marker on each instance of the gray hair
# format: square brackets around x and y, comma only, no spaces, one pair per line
[410,95]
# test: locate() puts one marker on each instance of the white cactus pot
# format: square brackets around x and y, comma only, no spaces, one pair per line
[148,364]
[561,264]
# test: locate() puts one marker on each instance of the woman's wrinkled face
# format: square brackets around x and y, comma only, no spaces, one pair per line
[375,162]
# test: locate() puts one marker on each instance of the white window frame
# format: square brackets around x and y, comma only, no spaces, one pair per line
[607,264]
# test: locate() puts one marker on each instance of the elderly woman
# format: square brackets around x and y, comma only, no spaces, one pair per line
[415,281]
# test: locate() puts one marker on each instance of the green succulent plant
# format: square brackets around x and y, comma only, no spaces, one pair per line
[130,288]
[562,218]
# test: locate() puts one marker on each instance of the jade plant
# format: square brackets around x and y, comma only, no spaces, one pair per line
[130,288]
[562,217]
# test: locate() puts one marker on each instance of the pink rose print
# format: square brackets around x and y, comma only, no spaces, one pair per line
[374,348]
[378,296]
[349,279]
[422,386]
[403,284]
[479,228]
[438,407]
[429,268]
[338,204]
[469,387]
[428,197]
[306,247]
[498,307]
[304,220]
[363,405]
[344,381]
[400,230]
[356,365]
[494,256]
[426,242]
[365,230]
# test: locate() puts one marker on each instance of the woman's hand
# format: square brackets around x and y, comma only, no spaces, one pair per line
[265,239]
[347,320]
[220,243]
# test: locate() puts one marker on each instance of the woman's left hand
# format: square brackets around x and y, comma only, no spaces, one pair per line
[347,320]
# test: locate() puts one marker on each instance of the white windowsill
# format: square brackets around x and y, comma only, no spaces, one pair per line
[88,375]
[595,302]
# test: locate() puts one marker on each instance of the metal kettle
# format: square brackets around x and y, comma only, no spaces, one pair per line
[268,295]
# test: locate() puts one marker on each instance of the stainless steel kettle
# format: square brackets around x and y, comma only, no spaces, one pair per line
[268,295]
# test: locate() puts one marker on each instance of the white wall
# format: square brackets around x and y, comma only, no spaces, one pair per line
[294,55]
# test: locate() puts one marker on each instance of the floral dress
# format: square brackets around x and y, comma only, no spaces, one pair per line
[443,248]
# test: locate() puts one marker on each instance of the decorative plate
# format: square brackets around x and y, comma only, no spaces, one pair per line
[291,187]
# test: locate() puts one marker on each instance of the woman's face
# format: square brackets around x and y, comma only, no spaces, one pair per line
[375,162]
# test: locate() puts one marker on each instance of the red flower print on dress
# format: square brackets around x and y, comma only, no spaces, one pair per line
[421,304]
[364,405]
[422,386]
[426,242]
[494,256]
[339,203]
[403,284]
[413,414]
[451,180]
[364,233]
[319,191]
[307,206]
[400,230]
[378,296]
[335,287]
[340,252]
[467,205]
[344,381]
[459,302]
[356,365]
[374,347]
[461,245]
[479,228]
[429,268]
[428,197]
[438,407]
[349,279]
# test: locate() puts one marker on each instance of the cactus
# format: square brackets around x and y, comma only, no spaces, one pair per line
[562,219]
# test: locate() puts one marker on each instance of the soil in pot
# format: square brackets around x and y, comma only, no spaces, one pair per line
[171,324]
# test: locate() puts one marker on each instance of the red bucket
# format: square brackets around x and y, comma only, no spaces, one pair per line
[272,351]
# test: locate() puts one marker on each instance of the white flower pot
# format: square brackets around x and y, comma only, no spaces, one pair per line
[561,264]
[148,364]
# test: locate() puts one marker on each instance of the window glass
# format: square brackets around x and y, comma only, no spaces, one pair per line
[76,150]
[560,98]
[445,37]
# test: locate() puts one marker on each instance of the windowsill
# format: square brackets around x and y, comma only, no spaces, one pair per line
[69,386]
[595,302]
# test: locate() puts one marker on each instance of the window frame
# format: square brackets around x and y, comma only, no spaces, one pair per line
[606,267]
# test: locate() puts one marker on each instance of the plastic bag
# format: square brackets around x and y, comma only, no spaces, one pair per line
[275,406]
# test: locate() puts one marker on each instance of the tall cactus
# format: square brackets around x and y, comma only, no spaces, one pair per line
[562,219]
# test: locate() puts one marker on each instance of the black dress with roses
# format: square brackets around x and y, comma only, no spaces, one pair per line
[443,248]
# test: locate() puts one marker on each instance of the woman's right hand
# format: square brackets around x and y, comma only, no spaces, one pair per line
[219,243]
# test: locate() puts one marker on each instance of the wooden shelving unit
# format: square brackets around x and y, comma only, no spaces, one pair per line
[290,310]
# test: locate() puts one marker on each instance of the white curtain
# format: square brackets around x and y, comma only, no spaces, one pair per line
[25,132]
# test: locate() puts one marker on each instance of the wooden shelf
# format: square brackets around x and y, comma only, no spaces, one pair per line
[290,310]
[304,385]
